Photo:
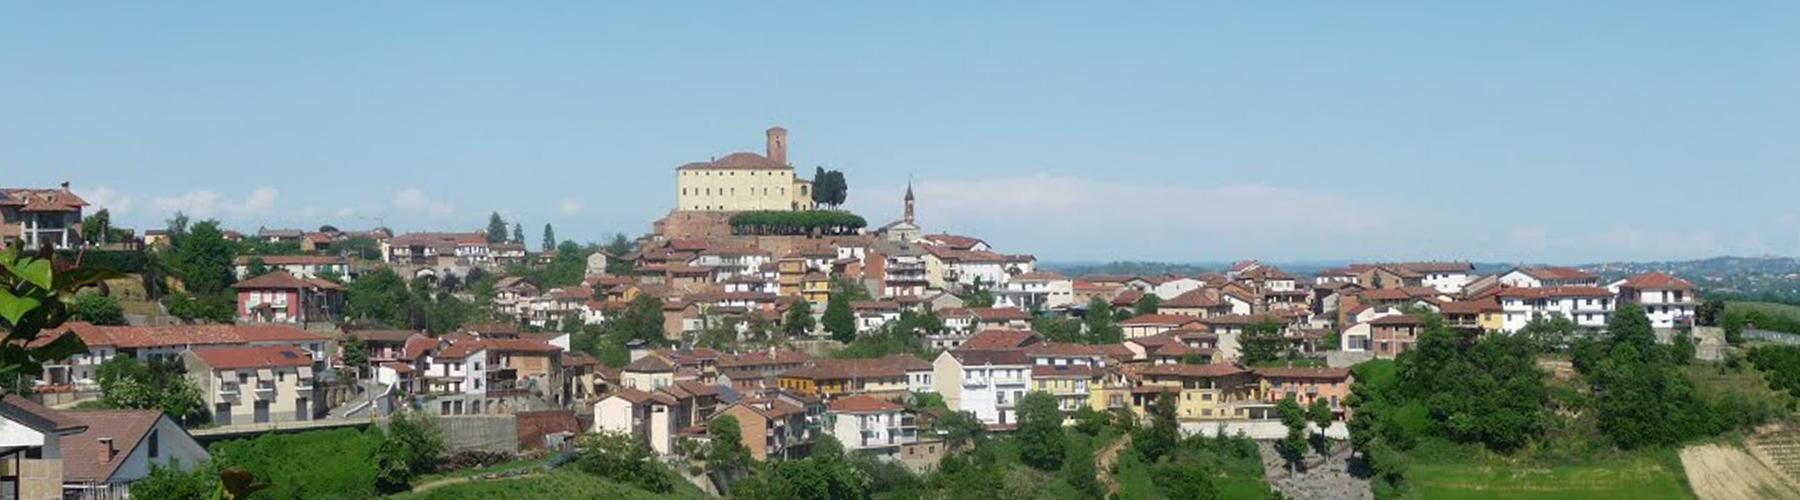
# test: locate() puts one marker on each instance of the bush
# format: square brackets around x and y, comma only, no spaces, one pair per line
[796,223]
[320,464]
[623,458]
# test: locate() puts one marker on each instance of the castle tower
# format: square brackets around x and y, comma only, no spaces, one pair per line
[909,203]
[777,151]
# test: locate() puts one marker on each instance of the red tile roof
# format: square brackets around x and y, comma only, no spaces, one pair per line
[1555,292]
[280,278]
[1000,339]
[1299,372]
[1160,319]
[862,404]
[1657,281]
[1000,313]
[138,337]
[127,428]
[232,358]
[736,161]
[1556,273]
[1192,299]
[1187,370]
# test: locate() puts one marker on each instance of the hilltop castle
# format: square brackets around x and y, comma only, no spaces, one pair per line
[743,181]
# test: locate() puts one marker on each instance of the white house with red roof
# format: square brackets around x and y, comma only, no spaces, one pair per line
[1538,277]
[870,425]
[1038,290]
[301,266]
[1668,301]
[169,342]
[1587,306]
[40,217]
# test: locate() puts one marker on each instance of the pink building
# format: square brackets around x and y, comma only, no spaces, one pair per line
[279,297]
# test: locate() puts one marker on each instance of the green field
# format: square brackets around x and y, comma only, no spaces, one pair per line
[1766,315]
[1446,471]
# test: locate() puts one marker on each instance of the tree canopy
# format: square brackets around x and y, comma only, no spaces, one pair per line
[805,222]
[496,228]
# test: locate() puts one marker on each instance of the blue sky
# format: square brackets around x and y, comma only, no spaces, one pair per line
[1194,131]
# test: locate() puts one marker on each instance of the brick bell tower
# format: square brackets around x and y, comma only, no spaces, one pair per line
[777,149]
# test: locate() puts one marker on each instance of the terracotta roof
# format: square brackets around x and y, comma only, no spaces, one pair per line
[573,359]
[292,260]
[232,358]
[1064,349]
[1657,281]
[1062,371]
[1000,339]
[1555,291]
[1187,370]
[650,364]
[1556,273]
[280,278]
[431,239]
[397,336]
[1160,319]
[763,358]
[634,396]
[1299,372]
[460,349]
[127,428]
[416,347]
[1396,319]
[520,345]
[1469,306]
[952,241]
[1192,299]
[1039,275]
[1128,297]
[736,161]
[1240,319]
[1436,267]
[1000,313]
[137,337]
[862,404]
[890,366]
[42,200]
[398,367]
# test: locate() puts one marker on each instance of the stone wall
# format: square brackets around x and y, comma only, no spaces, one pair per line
[534,425]
[499,433]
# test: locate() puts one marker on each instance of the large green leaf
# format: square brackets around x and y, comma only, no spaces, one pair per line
[75,279]
[14,306]
[66,345]
[34,271]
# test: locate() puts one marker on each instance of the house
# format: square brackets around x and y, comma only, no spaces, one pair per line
[240,385]
[891,376]
[1199,303]
[33,458]
[1587,306]
[1668,301]
[455,377]
[648,373]
[168,343]
[1011,318]
[302,266]
[649,416]
[1331,385]
[119,447]
[1152,324]
[752,371]
[772,426]
[280,297]
[1037,291]
[429,248]
[871,315]
[1481,315]
[1219,391]
[985,383]
[1394,334]
[267,235]
[1541,277]
[1065,371]
[36,218]
[1447,277]
[871,425]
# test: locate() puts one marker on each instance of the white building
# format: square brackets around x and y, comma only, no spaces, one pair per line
[1538,277]
[649,416]
[1586,305]
[870,425]
[1447,277]
[1667,300]
[985,383]
[1040,291]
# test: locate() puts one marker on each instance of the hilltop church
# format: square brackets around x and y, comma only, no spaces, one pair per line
[744,181]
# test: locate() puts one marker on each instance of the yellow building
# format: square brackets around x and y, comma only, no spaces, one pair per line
[791,272]
[1207,392]
[743,181]
[816,287]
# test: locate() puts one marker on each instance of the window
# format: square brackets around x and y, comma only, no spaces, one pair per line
[155,444]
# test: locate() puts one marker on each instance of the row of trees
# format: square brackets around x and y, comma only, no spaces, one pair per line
[806,222]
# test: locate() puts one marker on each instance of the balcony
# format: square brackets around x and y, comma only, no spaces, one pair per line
[975,382]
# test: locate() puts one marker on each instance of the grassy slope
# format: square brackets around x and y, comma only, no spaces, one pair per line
[1236,479]
[1442,470]
[562,484]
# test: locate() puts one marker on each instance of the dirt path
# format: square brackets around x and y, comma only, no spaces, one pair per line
[1726,473]
[1103,463]
[420,488]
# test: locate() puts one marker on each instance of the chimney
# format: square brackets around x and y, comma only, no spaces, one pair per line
[65,186]
[778,145]
[106,450]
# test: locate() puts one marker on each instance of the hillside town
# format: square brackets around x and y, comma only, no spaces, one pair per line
[756,298]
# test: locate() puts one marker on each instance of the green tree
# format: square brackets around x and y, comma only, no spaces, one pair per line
[960,429]
[1262,342]
[1292,447]
[1163,434]
[1101,329]
[549,238]
[1642,397]
[171,480]
[97,227]
[1080,473]
[214,308]
[1184,481]
[518,234]
[411,447]
[625,459]
[99,309]
[1040,433]
[1549,333]
[256,267]
[1147,304]
[355,352]
[838,319]
[1319,413]
[127,383]
[496,228]
[799,321]
[726,456]
[382,296]
[821,191]
[1090,421]
[203,258]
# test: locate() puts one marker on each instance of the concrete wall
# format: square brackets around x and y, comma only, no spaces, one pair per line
[498,433]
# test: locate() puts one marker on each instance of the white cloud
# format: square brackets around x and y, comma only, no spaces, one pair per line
[569,208]
[114,202]
[343,212]
[206,203]
[414,199]
[1074,217]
